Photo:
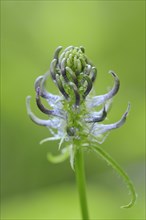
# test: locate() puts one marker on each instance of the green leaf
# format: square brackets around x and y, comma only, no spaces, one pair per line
[59,158]
[120,171]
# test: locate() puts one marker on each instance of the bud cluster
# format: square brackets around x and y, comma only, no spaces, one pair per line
[73,73]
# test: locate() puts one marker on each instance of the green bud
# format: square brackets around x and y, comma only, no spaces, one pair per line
[75,58]
[72,73]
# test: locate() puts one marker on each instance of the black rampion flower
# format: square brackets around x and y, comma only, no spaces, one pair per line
[73,114]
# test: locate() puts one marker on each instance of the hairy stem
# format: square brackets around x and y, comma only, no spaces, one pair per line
[80,179]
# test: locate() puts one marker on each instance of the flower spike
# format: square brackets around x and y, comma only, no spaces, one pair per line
[73,116]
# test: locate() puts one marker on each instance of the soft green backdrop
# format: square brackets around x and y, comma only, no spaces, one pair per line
[113,33]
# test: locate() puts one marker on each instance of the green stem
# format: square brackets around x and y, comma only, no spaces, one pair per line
[80,179]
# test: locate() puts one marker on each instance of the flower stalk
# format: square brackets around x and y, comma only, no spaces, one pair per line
[81,183]
[72,116]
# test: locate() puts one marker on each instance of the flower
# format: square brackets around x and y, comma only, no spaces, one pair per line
[72,117]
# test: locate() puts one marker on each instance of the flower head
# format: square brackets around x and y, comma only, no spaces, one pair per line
[72,115]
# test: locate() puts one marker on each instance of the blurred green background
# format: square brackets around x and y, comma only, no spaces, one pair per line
[113,34]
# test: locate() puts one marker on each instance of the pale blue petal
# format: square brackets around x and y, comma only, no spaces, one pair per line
[98,100]
[101,128]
